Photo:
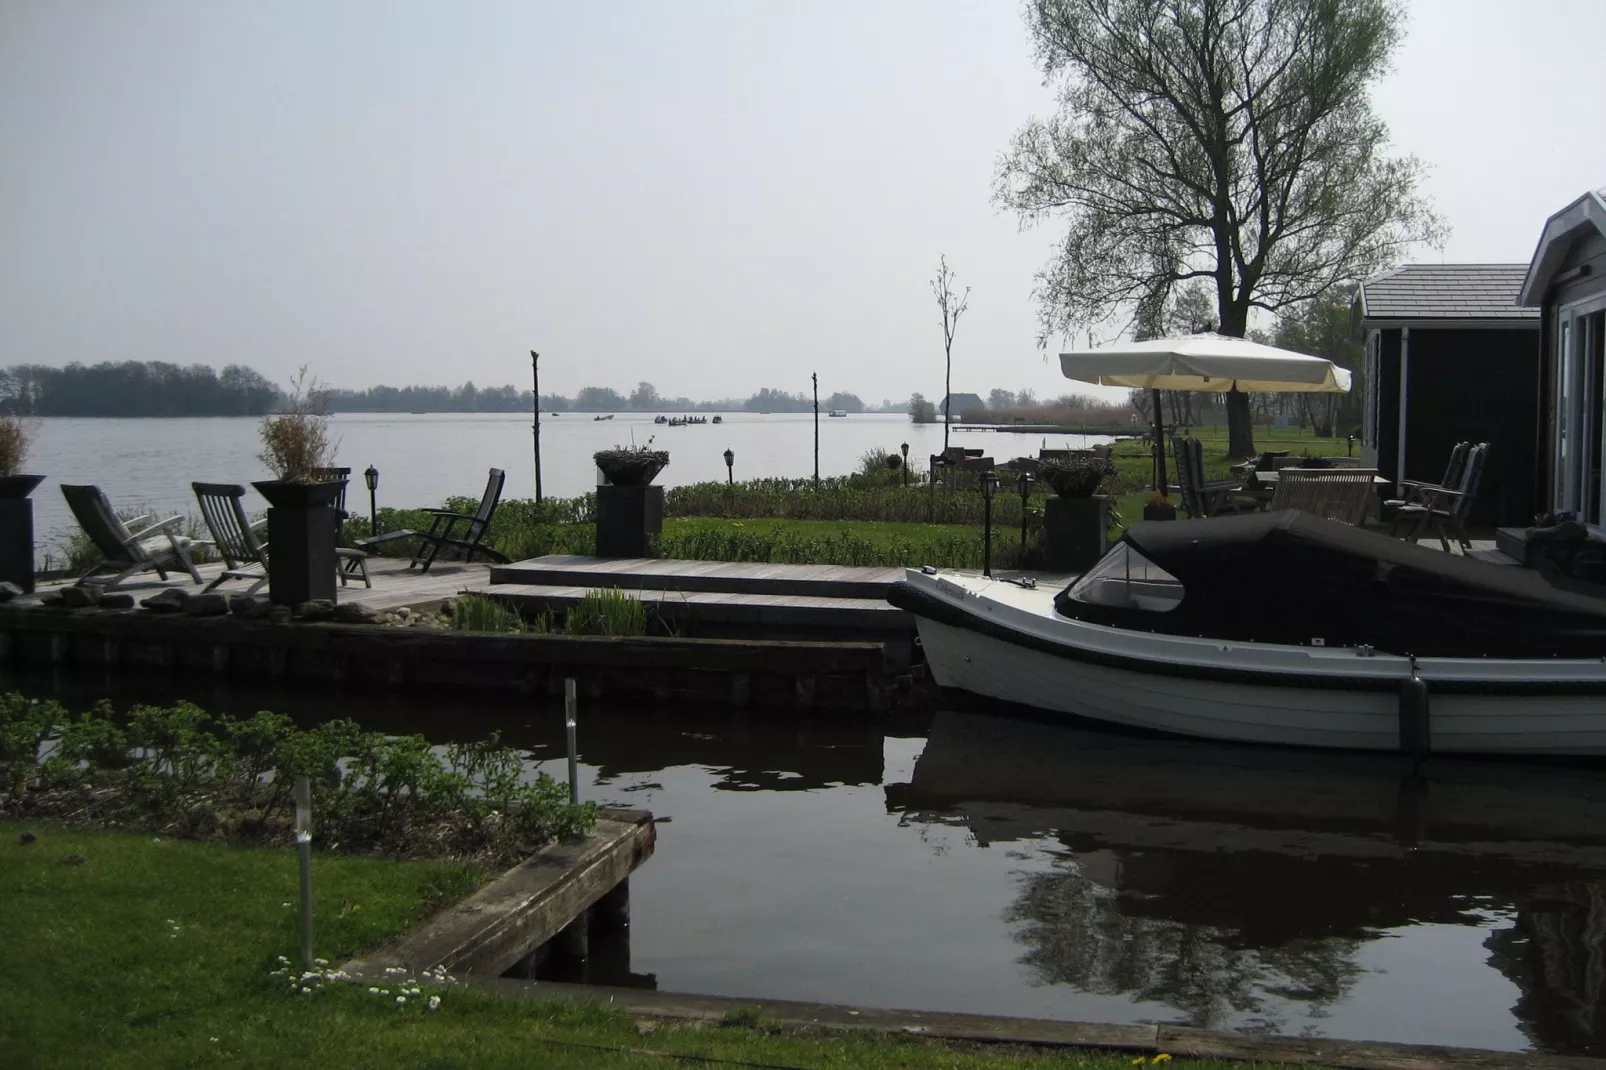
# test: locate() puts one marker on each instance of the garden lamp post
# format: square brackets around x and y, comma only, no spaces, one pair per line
[371,477]
[905,448]
[730,471]
[989,485]
[1025,487]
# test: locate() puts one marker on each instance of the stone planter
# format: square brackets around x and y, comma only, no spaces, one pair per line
[628,518]
[1159,512]
[301,540]
[16,530]
[1074,532]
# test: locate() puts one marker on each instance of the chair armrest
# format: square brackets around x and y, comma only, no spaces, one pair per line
[448,512]
[163,528]
[1414,485]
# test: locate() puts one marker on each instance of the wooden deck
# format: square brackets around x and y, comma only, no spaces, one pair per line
[394,584]
[729,577]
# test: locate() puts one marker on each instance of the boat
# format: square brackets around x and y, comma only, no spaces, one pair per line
[719,419]
[837,412]
[1282,628]
[607,417]
[660,419]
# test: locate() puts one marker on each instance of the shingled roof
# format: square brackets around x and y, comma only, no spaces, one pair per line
[1450,292]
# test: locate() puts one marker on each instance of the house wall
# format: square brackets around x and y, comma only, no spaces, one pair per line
[1590,250]
[1479,385]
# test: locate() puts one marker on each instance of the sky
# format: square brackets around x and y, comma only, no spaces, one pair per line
[710,196]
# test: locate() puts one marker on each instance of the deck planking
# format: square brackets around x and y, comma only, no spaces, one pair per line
[727,607]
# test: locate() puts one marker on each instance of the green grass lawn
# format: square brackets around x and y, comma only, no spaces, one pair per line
[127,950]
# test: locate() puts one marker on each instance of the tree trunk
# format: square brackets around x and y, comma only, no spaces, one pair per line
[947,393]
[1240,427]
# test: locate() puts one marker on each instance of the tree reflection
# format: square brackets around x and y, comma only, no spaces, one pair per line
[1556,953]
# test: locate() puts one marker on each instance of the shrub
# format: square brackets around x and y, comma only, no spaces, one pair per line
[16,436]
[296,441]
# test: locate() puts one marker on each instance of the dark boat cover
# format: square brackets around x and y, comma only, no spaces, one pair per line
[1289,577]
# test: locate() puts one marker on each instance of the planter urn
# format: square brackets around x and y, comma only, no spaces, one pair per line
[628,520]
[1074,532]
[301,540]
[1163,511]
[16,530]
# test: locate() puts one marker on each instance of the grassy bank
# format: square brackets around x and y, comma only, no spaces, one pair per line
[131,951]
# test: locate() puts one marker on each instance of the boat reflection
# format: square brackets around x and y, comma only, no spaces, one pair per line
[1226,882]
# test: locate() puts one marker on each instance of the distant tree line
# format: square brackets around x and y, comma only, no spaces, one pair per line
[135,388]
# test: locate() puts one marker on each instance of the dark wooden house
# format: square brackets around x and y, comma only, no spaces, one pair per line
[1567,281]
[1452,355]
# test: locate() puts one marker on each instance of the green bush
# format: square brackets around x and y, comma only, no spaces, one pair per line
[179,770]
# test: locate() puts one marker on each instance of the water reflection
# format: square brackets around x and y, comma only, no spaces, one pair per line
[973,863]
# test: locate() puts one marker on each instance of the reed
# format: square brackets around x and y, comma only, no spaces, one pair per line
[607,612]
[476,613]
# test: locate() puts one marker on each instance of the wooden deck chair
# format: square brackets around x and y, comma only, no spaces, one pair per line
[157,548]
[351,560]
[1341,494]
[1199,497]
[1444,510]
[1415,493]
[444,532]
[245,557]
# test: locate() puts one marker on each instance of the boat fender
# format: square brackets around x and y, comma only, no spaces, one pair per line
[1414,733]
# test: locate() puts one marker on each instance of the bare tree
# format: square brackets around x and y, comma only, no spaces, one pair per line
[953,305]
[1230,141]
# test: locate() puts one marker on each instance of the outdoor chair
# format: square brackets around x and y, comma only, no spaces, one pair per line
[1222,497]
[245,555]
[157,548]
[1341,494]
[1444,509]
[445,533]
[1413,493]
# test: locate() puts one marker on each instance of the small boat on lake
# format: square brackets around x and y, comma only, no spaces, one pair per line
[719,419]
[660,419]
[837,412]
[1283,628]
[607,417]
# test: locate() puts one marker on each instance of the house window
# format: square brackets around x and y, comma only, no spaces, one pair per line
[1581,411]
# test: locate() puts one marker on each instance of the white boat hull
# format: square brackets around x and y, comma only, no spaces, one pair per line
[1251,693]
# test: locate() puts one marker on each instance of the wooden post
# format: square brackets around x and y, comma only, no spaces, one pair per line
[535,427]
[816,377]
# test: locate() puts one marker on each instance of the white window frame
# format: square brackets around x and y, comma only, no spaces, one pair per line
[1574,386]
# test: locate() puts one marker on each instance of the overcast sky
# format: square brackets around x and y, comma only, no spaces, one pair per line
[714,197]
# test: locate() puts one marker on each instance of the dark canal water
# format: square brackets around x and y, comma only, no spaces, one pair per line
[971,863]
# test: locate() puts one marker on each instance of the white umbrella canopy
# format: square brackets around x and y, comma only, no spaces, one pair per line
[1205,362]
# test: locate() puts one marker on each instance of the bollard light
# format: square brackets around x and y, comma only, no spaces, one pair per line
[371,477]
[905,448]
[989,486]
[730,470]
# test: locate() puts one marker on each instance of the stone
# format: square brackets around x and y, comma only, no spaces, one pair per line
[259,610]
[117,600]
[171,600]
[242,605]
[80,597]
[279,614]
[404,611]
[314,610]
[51,599]
[207,605]
[8,590]
[355,613]
[448,607]
[424,622]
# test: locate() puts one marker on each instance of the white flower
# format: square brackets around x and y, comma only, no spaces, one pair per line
[321,962]
[375,991]
[401,999]
[434,1001]
[305,991]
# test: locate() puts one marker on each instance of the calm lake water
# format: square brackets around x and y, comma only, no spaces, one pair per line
[970,863]
[423,459]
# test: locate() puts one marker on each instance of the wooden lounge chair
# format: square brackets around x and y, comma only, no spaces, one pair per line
[1341,494]
[157,548]
[245,556]
[1414,493]
[1444,510]
[1222,497]
[444,532]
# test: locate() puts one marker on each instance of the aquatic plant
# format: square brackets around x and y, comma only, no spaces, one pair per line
[607,612]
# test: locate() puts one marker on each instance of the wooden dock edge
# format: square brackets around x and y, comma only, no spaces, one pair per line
[490,931]
[1146,1040]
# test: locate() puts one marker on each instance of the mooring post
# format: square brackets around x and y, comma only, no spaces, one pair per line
[535,424]
[815,378]
[568,722]
[304,848]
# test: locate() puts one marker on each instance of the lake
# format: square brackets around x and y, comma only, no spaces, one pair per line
[964,862]
[422,459]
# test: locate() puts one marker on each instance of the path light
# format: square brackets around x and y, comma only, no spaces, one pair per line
[905,448]
[371,477]
[1025,486]
[989,487]
[730,472]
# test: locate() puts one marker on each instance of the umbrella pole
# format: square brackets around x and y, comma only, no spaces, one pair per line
[1159,446]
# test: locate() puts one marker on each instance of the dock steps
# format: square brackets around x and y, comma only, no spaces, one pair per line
[727,607]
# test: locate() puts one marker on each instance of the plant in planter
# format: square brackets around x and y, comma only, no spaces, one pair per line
[301,521]
[16,510]
[1159,507]
[1075,477]
[1076,519]
[633,466]
[630,512]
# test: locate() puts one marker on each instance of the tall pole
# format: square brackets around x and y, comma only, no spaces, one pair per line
[535,427]
[816,377]
[1159,448]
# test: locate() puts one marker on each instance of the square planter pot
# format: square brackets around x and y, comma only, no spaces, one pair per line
[627,520]
[301,540]
[16,530]
[1074,532]
[1159,512]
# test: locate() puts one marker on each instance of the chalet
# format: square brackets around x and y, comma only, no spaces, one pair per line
[1452,354]
[963,403]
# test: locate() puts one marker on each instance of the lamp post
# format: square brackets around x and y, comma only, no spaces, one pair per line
[1025,486]
[371,477]
[905,449]
[989,485]
[730,472]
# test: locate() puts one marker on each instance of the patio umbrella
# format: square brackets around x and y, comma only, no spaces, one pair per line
[1207,362]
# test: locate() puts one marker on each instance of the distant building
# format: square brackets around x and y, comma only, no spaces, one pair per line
[963,403]
[1567,281]
[1452,356]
